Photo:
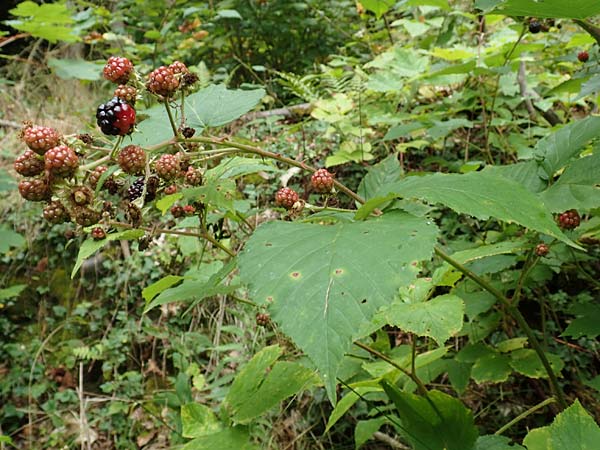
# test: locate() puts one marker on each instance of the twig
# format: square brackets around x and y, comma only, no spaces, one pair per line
[9,124]
[389,440]
[521,79]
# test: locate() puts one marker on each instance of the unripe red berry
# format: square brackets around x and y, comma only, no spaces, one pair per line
[322,181]
[583,56]
[118,69]
[286,197]
[29,164]
[40,139]
[162,81]
[542,249]
[569,219]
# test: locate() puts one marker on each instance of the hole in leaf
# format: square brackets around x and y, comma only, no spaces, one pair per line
[363,301]
[295,275]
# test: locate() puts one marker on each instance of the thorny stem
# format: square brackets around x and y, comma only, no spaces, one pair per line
[276,156]
[516,314]
[206,236]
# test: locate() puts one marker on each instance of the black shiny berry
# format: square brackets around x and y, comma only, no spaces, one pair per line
[116,117]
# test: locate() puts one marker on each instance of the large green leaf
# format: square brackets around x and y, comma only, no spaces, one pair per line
[50,21]
[323,282]
[573,9]
[438,422]
[572,429]
[483,195]
[527,362]
[154,128]
[557,149]
[76,68]
[378,7]
[587,322]
[439,318]
[216,105]
[578,187]
[263,383]
[236,438]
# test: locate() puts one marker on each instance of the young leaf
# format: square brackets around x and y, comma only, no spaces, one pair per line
[572,429]
[322,282]
[198,420]
[439,318]
[436,422]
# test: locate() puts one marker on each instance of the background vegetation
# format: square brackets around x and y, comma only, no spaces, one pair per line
[467,127]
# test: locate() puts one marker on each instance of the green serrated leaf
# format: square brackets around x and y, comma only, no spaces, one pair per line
[384,172]
[526,362]
[436,422]
[154,129]
[76,68]
[587,322]
[216,105]
[555,150]
[559,9]
[493,442]
[572,429]
[481,195]
[91,246]
[236,438]
[323,282]
[577,188]
[439,318]
[198,420]
[493,367]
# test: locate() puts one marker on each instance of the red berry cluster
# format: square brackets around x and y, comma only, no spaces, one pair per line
[583,56]
[542,249]
[262,319]
[569,220]
[55,173]
[322,181]
[286,197]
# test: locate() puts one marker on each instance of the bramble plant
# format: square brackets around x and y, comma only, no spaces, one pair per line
[391,289]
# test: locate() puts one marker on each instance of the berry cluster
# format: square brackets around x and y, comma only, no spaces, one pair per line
[322,181]
[569,220]
[542,249]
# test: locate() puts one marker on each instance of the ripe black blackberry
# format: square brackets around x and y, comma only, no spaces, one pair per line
[535,26]
[132,159]
[55,212]
[116,117]
[118,69]
[29,164]
[61,161]
[34,189]
[40,139]
[136,189]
